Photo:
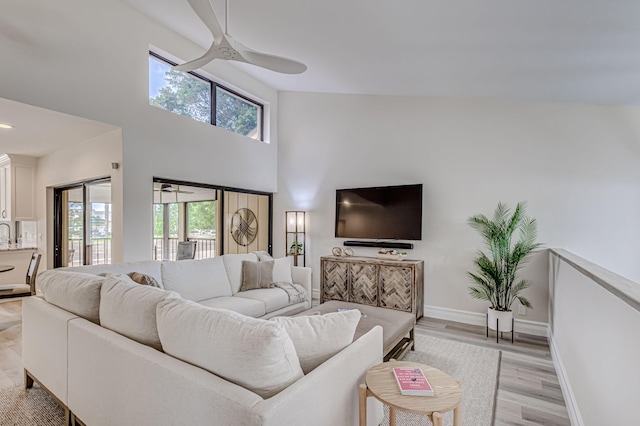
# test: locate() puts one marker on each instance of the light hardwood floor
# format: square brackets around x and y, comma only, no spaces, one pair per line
[528,389]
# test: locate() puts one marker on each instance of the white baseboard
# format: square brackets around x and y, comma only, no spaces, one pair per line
[567,392]
[522,326]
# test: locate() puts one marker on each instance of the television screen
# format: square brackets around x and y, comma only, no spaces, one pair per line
[388,212]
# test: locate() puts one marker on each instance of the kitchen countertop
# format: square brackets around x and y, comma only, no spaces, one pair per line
[6,248]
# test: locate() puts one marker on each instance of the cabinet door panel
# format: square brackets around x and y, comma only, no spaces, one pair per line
[24,207]
[334,276]
[395,291]
[364,284]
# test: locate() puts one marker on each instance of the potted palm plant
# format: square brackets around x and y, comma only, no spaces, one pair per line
[496,279]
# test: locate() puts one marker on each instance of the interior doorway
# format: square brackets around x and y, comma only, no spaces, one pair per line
[83,223]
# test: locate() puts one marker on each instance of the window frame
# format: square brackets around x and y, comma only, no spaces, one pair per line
[220,200]
[213,85]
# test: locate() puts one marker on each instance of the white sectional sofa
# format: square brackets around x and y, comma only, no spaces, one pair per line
[107,377]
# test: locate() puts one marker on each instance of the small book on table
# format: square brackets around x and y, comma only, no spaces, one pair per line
[412,381]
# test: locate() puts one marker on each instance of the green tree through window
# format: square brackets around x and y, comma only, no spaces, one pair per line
[201,218]
[183,94]
[190,96]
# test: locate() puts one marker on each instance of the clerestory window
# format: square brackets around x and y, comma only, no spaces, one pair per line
[195,96]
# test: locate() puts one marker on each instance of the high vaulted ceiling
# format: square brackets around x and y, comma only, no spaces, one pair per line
[549,50]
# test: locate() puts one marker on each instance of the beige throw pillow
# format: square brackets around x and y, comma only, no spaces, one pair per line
[143,279]
[319,337]
[256,275]
[253,353]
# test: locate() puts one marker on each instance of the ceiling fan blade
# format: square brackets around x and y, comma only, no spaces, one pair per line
[275,63]
[271,62]
[208,56]
[205,12]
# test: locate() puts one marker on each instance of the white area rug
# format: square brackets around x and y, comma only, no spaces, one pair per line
[478,369]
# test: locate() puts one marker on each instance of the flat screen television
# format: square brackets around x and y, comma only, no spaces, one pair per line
[387,212]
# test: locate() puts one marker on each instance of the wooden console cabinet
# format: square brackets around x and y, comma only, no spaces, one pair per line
[394,284]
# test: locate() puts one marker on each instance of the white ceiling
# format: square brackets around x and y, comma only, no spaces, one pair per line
[38,131]
[550,50]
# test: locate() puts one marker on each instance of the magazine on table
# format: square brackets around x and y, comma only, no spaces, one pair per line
[412,381]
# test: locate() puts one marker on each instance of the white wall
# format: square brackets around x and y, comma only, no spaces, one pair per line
[89,59]
[577,166]
[594,342]
[84,161]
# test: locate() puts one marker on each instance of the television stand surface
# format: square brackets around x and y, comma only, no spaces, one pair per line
[391,284]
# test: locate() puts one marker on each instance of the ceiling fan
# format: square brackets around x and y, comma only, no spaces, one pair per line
[168,188]
[225,47]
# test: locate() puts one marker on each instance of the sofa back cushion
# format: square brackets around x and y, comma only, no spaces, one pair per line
[196,279]
[130,310]
[73,291]
[147,267]
[233,265]
[255,354]
[319,337]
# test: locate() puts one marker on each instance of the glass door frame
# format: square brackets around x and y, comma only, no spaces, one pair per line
[58,220]
[220,223]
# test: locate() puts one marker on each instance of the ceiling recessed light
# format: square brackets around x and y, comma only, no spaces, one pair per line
[5,126]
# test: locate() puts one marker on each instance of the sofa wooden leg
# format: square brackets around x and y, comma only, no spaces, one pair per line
[413,340]
[28,380]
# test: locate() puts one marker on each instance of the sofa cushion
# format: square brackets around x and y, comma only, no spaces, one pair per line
[72,291]
[233,266]
[248,307]
[273,298]
[319,337]
[196,279]
[148,267]
[255,354]
[119,276]
[263,255]
[282,270]
[130,310]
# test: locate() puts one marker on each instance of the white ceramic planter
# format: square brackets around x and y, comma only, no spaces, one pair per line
[503,317]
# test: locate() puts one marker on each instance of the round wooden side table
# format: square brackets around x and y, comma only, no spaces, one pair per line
[381,384]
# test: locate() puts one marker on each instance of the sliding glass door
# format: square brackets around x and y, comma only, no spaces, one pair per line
[184,213]
[211,219]
[83,224]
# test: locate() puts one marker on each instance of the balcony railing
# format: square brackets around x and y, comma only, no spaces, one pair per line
[205,248]
[99,251]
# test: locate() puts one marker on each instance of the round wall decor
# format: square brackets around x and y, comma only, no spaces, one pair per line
[244,227]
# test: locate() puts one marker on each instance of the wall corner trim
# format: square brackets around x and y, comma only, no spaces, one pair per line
[567,392]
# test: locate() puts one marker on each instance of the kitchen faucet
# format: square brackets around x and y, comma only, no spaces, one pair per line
[8,230]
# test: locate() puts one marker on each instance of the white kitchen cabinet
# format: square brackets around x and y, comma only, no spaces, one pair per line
[17,187]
